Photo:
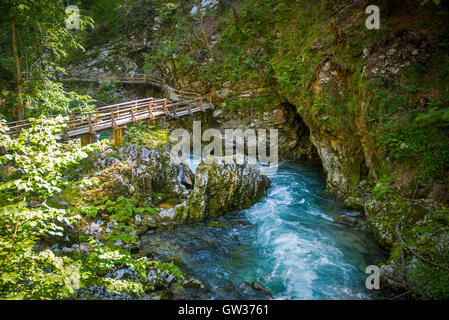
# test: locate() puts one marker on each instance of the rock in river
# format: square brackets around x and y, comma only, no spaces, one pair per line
[220,187]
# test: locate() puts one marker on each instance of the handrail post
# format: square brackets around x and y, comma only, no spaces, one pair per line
[133,117]
[210,102]
[201,103]
[90,124]
[165,107]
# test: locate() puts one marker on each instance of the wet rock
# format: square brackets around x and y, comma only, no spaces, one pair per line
[96,292]
[365,52]
[392,278]
[149,175]
[254,291]
[355,203]
[223,94]
[257,286]
[220,187]
[108,162]
[185,175]
[124,273]
[86,247]
[391,52]
[383,217]
[156,174]
[67,250]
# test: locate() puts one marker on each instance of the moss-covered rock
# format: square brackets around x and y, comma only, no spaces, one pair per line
[220,187]
[382,217]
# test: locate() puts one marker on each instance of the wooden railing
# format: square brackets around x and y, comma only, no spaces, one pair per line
[177,103]
[170,93]
[121,114]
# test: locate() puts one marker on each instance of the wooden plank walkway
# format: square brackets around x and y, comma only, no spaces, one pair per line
[177,104]
[170,92]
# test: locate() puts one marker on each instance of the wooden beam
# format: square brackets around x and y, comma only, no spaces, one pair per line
[118,136]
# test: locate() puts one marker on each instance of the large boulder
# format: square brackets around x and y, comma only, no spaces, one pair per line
[150,175]
[156,174]
[383,217]
[220,187]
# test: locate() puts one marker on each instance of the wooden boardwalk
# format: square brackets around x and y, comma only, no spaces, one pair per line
[170,92]
[117,116]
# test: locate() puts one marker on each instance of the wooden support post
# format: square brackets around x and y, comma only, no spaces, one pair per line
[165,107]
[90,124]
[93,137]
[210,102]
[90,138]
[150,109]
[85,140]
[133,118]
[118,136]
[201,103]
[112,120]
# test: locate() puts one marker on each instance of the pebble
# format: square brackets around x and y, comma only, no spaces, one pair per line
[391,52]
[366,52]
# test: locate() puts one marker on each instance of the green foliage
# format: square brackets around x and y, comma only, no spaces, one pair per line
[423,145]
[42,39]
[382,186]
[438,114]
[418,139]
[430,279]
[121,211]
[142,135]
[33,171]
[50,98]
[36,160]
[437,2]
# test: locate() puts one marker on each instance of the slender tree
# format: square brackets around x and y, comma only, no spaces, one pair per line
[37,27]
[203,32]
[20,109]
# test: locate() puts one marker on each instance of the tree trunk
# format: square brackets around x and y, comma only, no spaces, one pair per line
[203,32]
[236,16]
[20,108]
[189,23]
